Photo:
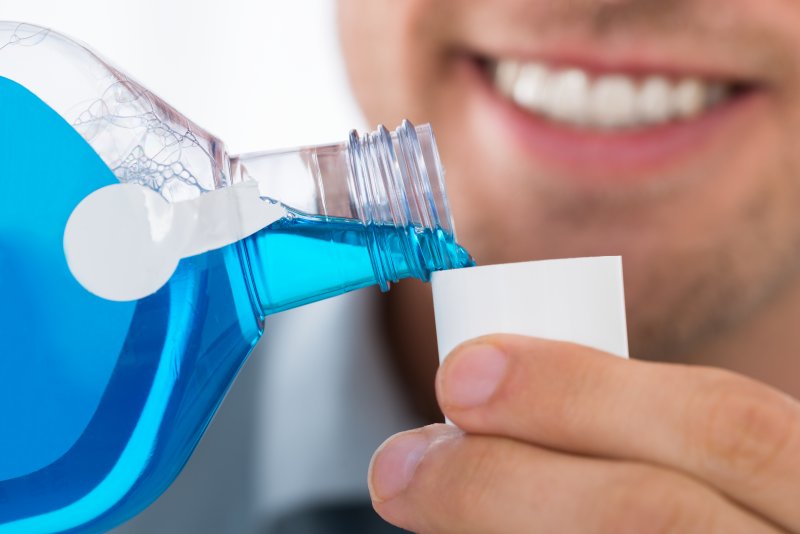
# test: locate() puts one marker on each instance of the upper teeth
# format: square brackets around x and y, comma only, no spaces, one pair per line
[609,101]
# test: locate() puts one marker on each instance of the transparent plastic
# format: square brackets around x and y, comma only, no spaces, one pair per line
[101,402]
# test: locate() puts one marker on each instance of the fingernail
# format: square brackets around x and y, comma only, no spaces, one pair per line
[394,463]
[473,376]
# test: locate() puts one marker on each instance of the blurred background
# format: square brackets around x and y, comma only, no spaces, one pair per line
[259,75]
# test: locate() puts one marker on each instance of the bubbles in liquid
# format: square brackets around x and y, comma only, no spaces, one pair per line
[152,150]
[141,139]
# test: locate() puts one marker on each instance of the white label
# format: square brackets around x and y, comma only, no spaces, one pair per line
[123,242]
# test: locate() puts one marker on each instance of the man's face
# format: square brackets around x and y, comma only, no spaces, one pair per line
[666,132]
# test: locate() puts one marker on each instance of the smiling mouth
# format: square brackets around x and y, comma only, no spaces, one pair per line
[599,124]
[608,101]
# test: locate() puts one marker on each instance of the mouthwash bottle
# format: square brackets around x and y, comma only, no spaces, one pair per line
[104,395]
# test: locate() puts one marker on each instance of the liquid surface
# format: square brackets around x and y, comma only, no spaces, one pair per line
[315,257]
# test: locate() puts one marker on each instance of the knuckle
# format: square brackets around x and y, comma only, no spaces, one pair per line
[655,502]
[744,427]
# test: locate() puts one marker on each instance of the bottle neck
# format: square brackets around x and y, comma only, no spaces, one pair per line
[398,180]
[367,212]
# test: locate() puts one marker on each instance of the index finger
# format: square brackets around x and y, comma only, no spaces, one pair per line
[736,434]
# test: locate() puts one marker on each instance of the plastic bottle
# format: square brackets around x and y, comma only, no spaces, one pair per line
[102,401]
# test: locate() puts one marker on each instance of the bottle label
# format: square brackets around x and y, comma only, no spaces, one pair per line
[124,241]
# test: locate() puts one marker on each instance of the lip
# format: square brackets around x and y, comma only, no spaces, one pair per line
[594,158]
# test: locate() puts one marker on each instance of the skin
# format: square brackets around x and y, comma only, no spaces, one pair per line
[711,252]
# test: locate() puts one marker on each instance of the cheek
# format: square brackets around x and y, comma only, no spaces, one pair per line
[396,55]
[371,44]
[753,188]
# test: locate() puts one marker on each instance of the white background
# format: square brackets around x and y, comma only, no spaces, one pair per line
[258,74]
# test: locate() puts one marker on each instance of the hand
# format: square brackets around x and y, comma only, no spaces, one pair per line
[558,437]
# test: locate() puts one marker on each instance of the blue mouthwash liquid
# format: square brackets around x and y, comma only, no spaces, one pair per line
[102,402]
[314,257]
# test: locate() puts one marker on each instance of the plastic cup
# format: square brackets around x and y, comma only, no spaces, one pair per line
[579,300]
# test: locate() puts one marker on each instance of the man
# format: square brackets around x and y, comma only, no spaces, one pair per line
[666,132]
